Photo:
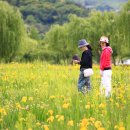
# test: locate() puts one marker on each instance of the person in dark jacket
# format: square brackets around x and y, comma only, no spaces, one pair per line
[85,63]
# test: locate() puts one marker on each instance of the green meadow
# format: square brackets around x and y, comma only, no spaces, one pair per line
[41,96]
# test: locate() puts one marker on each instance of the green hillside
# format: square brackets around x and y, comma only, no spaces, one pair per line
[102,4]
[43,13]
[115,4]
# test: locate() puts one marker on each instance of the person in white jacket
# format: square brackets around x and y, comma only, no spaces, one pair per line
[105,66]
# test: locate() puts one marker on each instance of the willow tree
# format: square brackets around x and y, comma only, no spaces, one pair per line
[101,23]
[11,31]
[63,40]
[123,32]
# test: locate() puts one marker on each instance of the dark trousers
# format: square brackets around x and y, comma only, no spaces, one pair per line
[83,81]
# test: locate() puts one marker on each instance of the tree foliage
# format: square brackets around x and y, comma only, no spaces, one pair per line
[47,12]
[61,41]
[64,39]
[11,31]
[121,33]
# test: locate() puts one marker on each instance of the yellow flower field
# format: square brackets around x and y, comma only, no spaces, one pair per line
[40,96]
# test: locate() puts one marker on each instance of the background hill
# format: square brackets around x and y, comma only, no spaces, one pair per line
[40,14]
[102,4]
[43,13]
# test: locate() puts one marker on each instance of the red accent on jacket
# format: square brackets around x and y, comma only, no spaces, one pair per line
[105,58]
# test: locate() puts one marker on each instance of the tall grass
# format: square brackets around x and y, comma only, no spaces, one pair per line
[45,97]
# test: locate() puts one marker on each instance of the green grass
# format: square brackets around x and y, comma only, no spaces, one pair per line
[29,91]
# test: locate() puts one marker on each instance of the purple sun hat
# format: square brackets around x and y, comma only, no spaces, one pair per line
[82,43]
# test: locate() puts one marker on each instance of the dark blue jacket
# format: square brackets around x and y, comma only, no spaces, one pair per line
[86,59]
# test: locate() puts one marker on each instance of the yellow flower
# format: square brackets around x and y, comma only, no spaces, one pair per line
[111,100]
[70,123]
[92,119]
[121,128]
[101,128]
[24,99]
[1,120]
[45,83]
[50,119]
[116,126]
[46,127]
[87,106]
[97,93]
[104,112]
[117,105]
[61,118]
[102,105]
[52,97]
[38,123]
[84,122]
[30,98]
[88,103]
[121,124]
[83,128]
[50,112]
[2,111]
[124,101]
[57,116]
[30,129]
[92,105]
[18,106]
[65,105]
[98,124]
[5,78]
[62,96]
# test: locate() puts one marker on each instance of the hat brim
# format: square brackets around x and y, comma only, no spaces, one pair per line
[104,41]
[83,45]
